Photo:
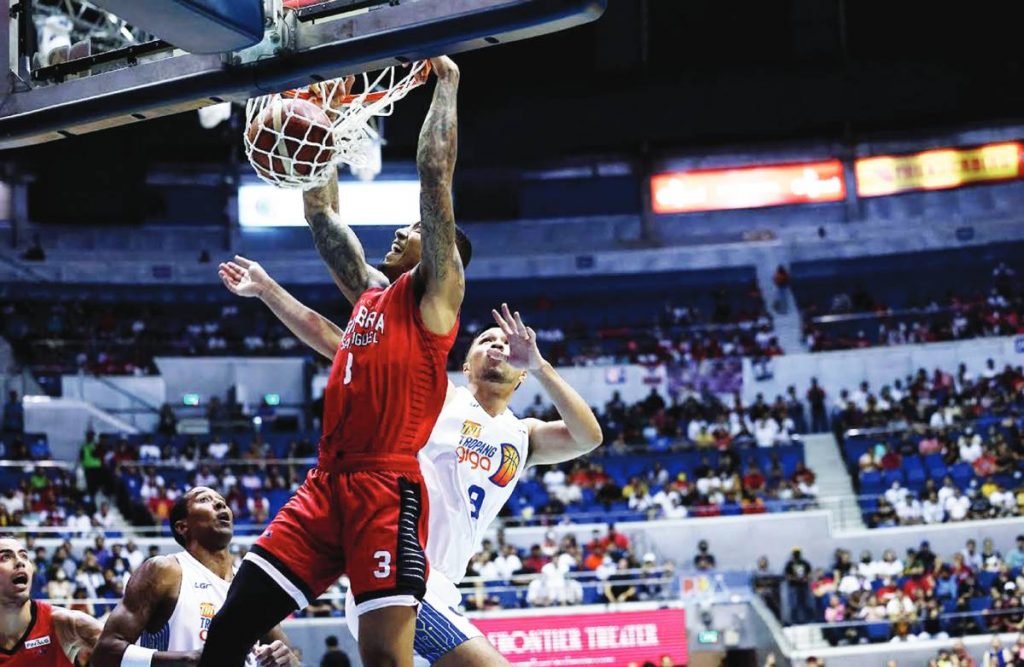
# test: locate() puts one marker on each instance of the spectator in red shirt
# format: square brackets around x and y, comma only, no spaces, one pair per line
[754,481]
[594,559]
[614,539]
[985,464]
[536,560]
[160,505]
[891,460]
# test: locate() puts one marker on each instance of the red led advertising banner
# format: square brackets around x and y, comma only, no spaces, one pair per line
[939,169]
[613,639]
[748,187]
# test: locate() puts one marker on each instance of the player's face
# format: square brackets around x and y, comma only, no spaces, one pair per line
[210,518]
[405,251]
[16,570]
[483,362]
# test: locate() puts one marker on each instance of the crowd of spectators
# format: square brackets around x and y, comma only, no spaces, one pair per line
[948,446]
[939,400]
[677,334]
[565,571]
[999,311]
[122,338]
[885,597]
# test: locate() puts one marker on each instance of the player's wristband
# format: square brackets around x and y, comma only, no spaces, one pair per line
[136,656]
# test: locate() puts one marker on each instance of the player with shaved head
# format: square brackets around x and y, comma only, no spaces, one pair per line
[170,600]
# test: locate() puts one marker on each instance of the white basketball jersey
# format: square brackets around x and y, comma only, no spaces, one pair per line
[471,464]
[200,597]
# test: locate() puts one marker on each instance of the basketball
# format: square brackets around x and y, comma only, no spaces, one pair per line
[290,138]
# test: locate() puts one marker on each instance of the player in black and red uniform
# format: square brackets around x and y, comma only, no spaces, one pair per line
[34,633]
[363,510]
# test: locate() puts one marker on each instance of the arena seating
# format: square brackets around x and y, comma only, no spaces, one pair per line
[924,595]
[700,314]
[924,297]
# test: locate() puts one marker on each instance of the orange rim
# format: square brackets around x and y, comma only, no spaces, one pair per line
[343,100]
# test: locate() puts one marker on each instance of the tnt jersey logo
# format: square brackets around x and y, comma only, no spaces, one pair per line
[470,429]
[206,613]
[509,466]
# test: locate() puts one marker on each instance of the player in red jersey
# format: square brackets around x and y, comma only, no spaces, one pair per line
[363,510]
[34,633]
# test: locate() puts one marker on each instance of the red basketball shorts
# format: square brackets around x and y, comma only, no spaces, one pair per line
[369,525]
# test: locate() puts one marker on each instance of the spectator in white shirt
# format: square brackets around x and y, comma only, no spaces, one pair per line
[866,568]
[909,511]
[896,494]
[508,562]
[765,431]
[859,397]
[972,556]
[206,478]
[79,522]
[103,518]
[900,607]
[693,429]
[13,500]
[947,491]
[889,566]
[554,481]
[932,510]
[957,506]
[218,450]
[149,451]
[134,555]
[969,445]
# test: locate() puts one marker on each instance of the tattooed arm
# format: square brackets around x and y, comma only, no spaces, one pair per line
[439,274]
[337,244]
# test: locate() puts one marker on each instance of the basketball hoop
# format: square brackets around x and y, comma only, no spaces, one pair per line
[349,103]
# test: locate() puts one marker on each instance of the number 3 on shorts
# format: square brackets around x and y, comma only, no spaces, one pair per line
[383,559]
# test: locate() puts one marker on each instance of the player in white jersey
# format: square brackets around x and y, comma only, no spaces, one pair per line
[477,452]
[170,600]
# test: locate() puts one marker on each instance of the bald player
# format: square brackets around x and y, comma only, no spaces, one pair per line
[36,633]
[170,600]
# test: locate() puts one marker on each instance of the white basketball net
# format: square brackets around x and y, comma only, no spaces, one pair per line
[350,104]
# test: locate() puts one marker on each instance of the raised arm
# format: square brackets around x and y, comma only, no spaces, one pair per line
[337,244]
[149,592]
[247,278]
[439,272]
[77,632]
[577,432]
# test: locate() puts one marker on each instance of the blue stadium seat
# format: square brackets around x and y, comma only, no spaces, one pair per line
[871,482]
[878,632]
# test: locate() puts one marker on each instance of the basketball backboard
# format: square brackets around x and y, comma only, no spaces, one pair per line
[304,41]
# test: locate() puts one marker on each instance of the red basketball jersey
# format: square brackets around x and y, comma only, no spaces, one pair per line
[387,384]
[40,646]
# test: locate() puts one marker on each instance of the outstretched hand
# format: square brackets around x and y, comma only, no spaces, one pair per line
[275,654]
[523,352]
[244,277]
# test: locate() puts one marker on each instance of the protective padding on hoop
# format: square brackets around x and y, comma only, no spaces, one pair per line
[197,26]
[346,105]
[299,4]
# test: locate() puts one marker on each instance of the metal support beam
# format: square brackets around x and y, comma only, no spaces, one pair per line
[318,50]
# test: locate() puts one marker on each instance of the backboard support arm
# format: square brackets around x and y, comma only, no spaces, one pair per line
[293,53]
